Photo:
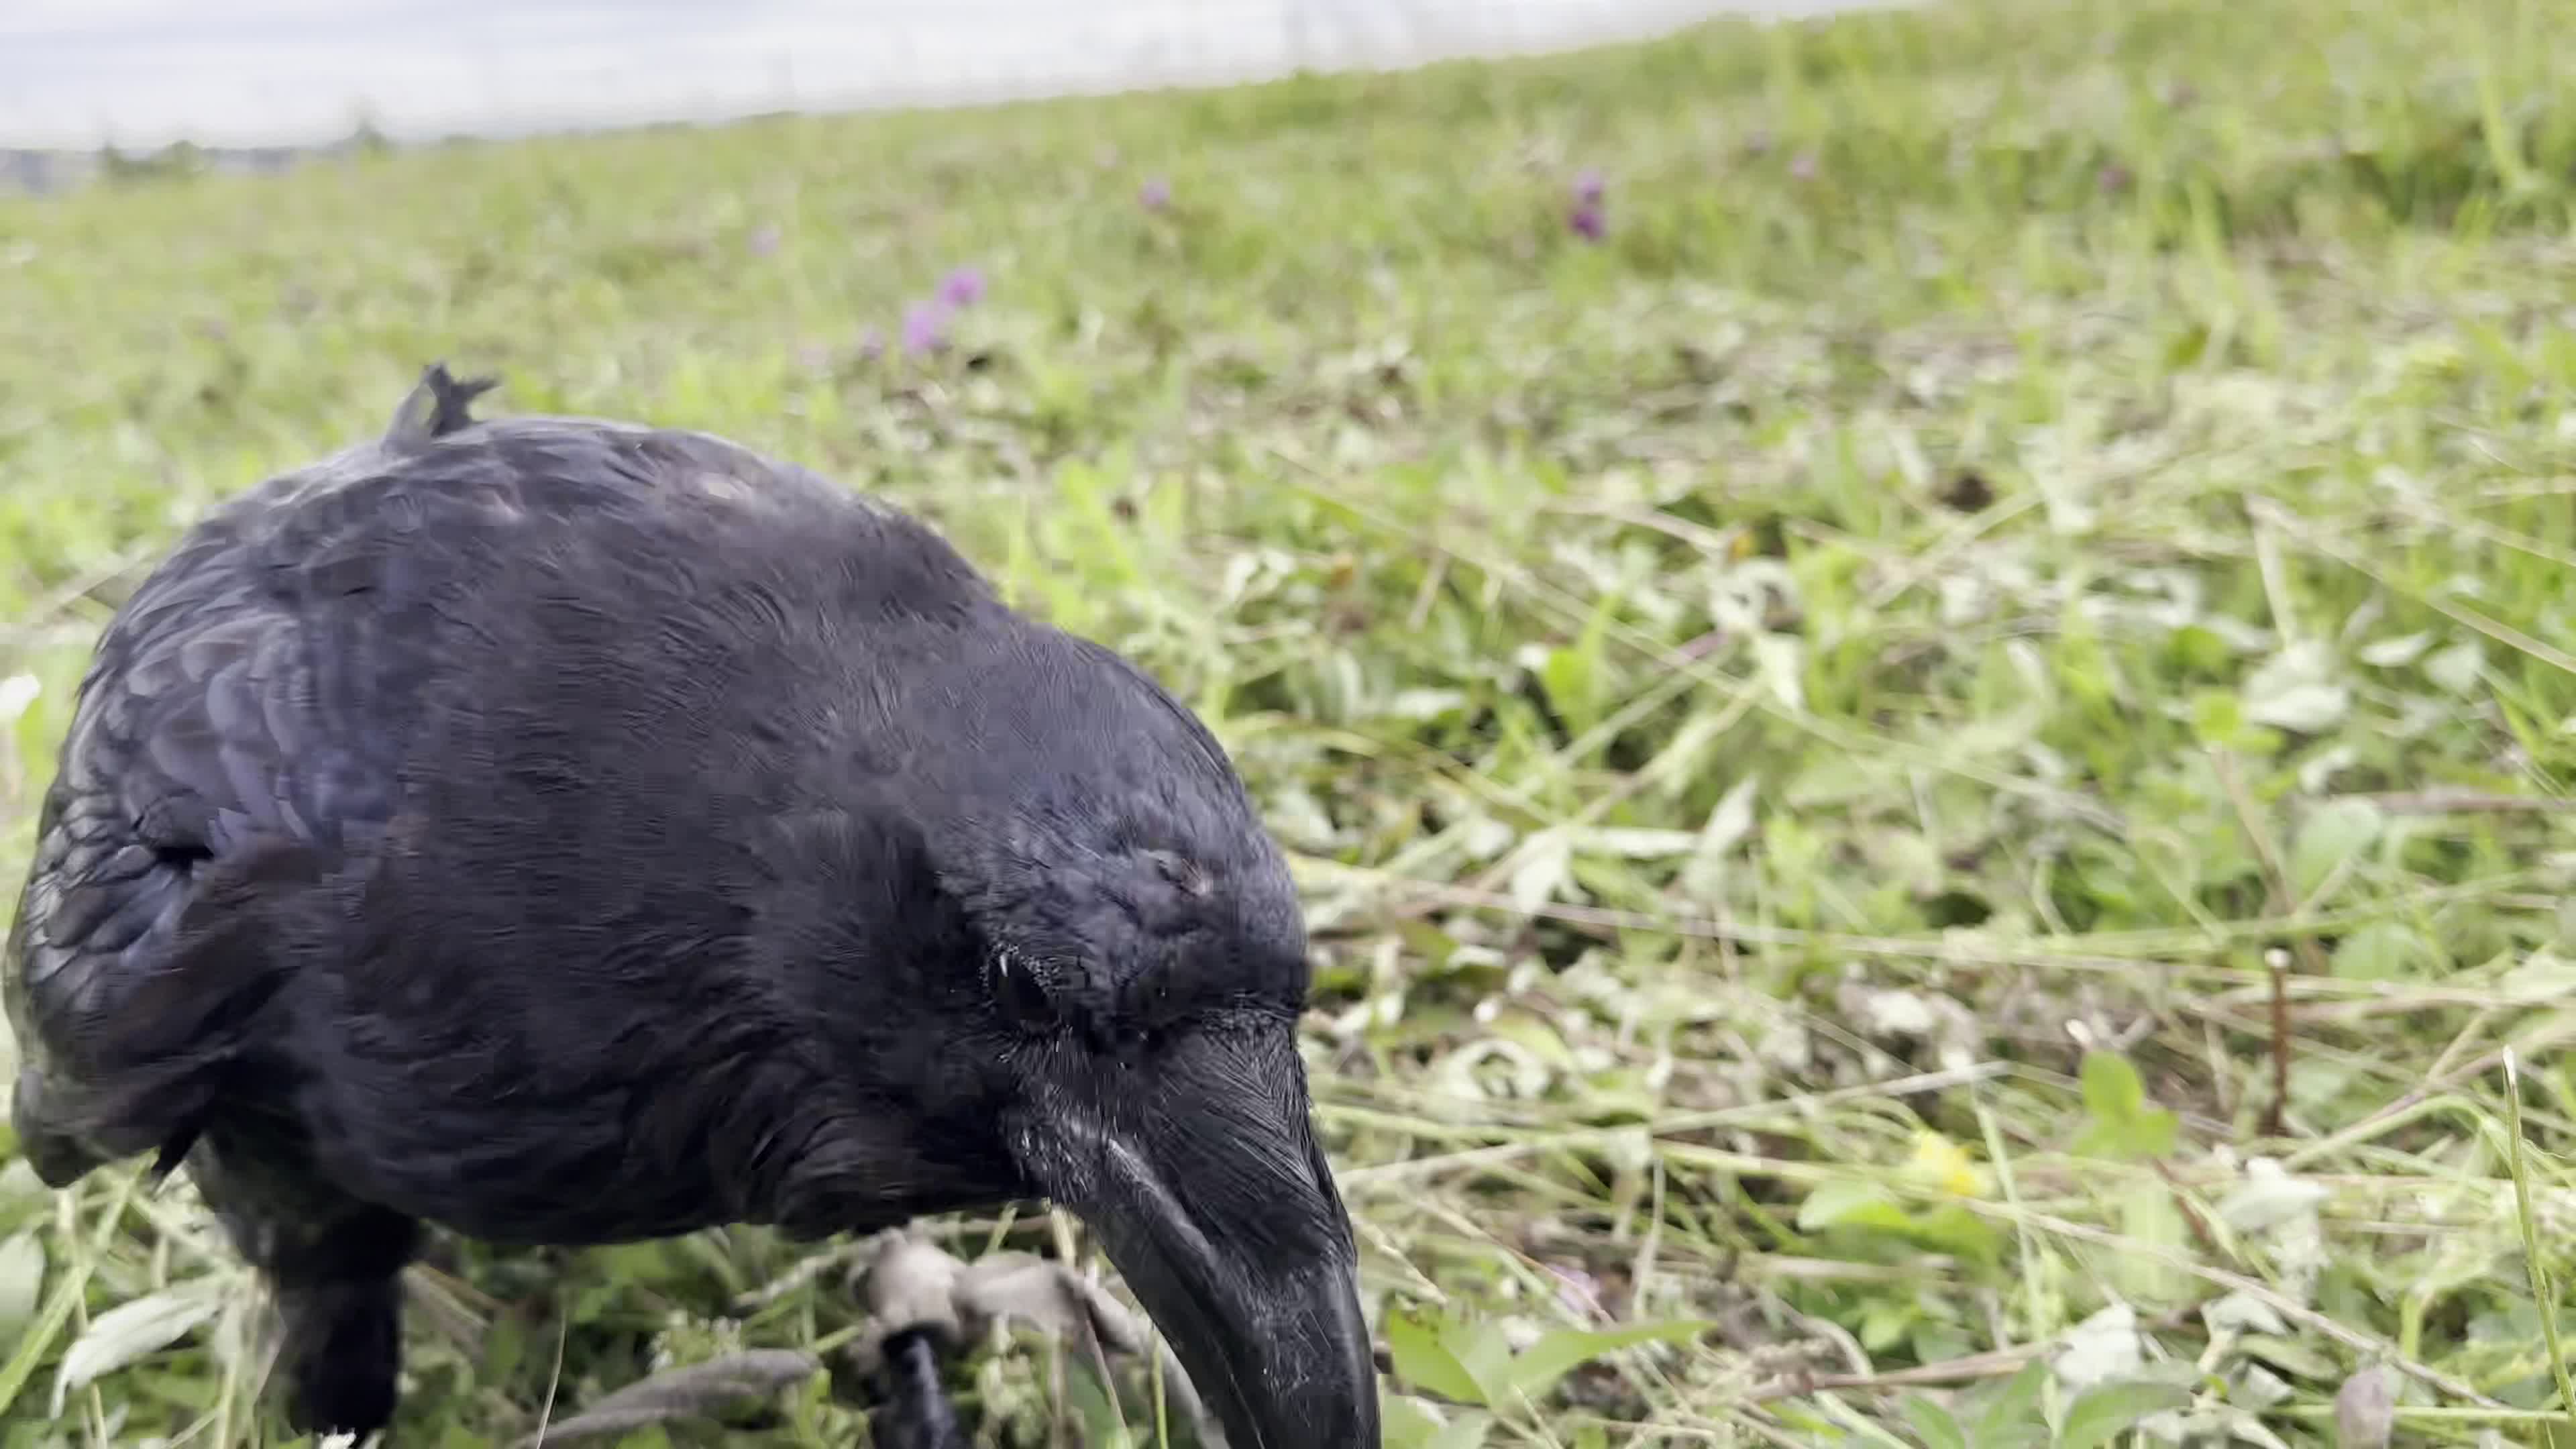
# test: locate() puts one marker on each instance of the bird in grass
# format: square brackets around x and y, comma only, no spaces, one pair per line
[563,831]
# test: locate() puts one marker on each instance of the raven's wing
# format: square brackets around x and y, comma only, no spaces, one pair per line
[237,708]
[238,750]
[231,738]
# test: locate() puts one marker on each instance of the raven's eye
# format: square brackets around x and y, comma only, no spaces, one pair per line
[1022,996]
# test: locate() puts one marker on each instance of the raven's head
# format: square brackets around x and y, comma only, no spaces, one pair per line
[1155,1088]
[1119,970]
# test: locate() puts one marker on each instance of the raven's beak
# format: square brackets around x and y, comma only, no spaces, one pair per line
[1208,1192]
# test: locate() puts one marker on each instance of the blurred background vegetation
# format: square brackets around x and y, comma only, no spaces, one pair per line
[1867,633]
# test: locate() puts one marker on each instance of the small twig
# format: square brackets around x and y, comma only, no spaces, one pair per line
[1649,1432]
[806,1271]
[2118,953]
[1972,1368]
[2333,546]
[1715,543]
[56,603]
[1162,1401]
[2276,1117]
[1059,1422]
[1746,1422]
[2035,1301]
[554,1380]
[1841,1339]
[1955,540]
[704,1388]
[2437,1083]
[2283,902]
[2276,586]
[2476,1027]
[1574,1139]
[2191,1214]
[2433,1415]
[1434,579]
[2465,802]
[1641,1274]
[2543,1296]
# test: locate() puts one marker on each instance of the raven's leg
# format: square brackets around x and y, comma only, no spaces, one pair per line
[334,1265]
[917,1413]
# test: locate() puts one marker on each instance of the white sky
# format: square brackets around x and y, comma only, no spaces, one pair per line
[245,72]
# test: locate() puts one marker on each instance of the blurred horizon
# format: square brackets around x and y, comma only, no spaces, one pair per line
[150,73]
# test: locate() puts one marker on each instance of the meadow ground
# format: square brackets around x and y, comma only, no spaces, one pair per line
[1843,738]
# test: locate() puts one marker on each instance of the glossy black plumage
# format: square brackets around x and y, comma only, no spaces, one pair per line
[564,831]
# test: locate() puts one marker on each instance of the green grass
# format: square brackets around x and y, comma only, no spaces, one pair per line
[1808,728]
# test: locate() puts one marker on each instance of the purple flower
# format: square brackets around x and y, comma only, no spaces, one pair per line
[1588,218]
[1155,194]
[872,344]
[764,241]
[1578,1291]
[925,327]
[963,287]
[1803,165]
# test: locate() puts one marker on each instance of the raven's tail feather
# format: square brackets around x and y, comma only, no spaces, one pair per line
[439,405]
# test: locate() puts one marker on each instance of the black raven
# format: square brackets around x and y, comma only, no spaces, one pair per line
[568,831]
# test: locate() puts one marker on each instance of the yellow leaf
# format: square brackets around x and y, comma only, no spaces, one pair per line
[1942,1163]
